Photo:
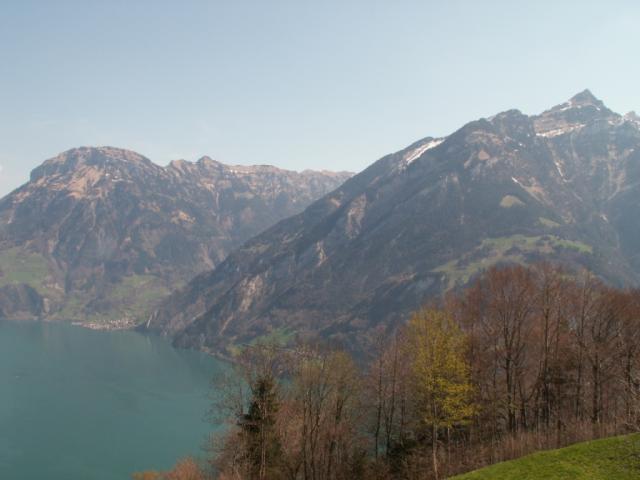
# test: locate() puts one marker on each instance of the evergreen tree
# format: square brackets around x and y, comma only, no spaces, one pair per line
[258,425]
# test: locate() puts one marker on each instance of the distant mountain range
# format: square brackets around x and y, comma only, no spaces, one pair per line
[100,235]
[563,185]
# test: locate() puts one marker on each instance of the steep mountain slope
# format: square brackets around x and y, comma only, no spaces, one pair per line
[562,185]
[100,234]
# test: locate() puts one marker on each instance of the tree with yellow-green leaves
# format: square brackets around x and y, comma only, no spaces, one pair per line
[442,384]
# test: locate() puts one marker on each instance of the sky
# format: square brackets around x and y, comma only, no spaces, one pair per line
[298,84]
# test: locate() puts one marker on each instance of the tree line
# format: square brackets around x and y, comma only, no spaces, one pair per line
[526,358]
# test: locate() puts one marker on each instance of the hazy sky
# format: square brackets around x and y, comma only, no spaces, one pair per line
[299,84]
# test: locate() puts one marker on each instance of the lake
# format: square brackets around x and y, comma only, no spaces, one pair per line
[84,404]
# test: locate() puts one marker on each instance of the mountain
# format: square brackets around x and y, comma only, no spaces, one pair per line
[101,234]
[563,185]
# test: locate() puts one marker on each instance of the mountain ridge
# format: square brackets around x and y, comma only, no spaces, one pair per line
[561,185]
[103,233]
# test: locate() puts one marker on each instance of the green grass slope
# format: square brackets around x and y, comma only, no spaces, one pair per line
[616,458]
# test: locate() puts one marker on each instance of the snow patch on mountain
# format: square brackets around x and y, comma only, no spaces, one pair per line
[560,131]
[413,155]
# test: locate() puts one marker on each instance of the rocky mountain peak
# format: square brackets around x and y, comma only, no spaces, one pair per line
[97,160]
[203,164]
[513,123]
[584,101]
[585,98]
[579,111]
[98,156]
[207,160]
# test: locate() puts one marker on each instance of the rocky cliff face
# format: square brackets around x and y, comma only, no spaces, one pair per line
[563,185]
[100,234]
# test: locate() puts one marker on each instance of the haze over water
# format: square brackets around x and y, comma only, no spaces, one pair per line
[79,404]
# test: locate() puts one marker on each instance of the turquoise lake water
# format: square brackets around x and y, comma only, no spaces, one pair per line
[83,404]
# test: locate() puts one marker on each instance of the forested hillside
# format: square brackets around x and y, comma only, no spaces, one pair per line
[526,358]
